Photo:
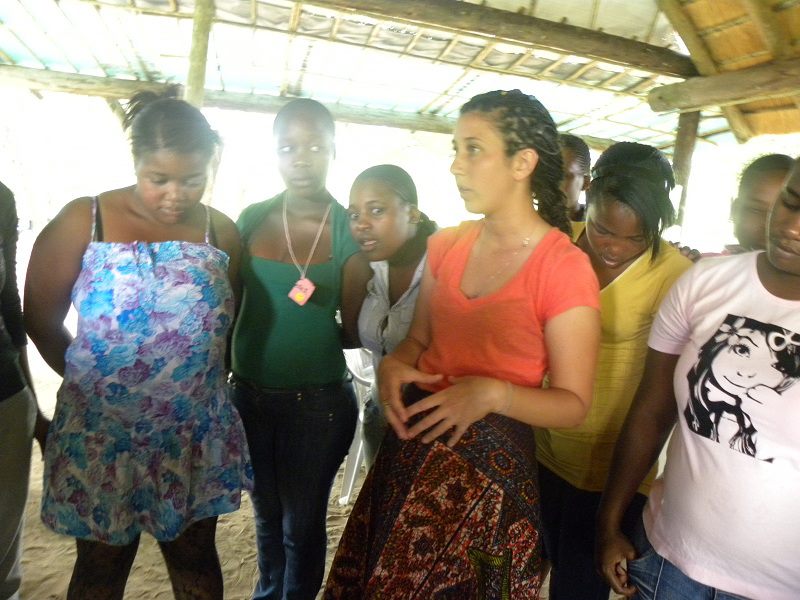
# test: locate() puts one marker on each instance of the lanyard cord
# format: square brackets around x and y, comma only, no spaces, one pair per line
[304,269]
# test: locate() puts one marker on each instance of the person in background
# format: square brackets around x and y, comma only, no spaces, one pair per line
[301,266]
[721,376]
[451,507]
[393,233]
[759,185]
[144,436]
[20,418]
[628,208]
[577,162]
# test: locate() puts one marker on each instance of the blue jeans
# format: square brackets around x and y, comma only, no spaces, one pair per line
[568,528]
[297,441]
[656,578]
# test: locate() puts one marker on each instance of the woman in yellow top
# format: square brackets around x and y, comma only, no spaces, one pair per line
[628,209]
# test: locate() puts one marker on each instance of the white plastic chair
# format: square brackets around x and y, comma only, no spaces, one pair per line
[359,363]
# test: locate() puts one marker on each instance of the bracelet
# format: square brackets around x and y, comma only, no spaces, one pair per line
[509,396]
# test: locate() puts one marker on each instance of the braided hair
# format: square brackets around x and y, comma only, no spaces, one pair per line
[640,177]
[162,121]
[579,150]
[524,122]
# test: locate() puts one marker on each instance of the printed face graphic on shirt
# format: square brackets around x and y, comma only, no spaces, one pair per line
[738,386]
[744,362]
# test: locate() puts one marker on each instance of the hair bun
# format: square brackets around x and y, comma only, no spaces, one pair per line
[144,98]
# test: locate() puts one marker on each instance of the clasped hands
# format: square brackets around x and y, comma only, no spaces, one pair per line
[467,400]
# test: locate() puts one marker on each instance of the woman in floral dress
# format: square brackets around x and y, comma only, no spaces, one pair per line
[144,437]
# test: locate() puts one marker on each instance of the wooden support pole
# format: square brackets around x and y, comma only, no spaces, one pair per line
[204,11]
[688,124]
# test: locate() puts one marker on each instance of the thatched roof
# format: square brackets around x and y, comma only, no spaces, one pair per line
[411,63]
[747,52]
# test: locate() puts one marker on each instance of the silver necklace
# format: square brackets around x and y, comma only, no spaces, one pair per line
[526,241]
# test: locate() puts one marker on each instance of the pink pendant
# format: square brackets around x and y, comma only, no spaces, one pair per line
[302,291]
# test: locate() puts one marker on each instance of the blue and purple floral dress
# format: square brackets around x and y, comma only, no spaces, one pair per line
[144,436]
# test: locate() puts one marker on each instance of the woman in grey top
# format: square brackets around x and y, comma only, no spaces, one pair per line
[392,232]
[18,411]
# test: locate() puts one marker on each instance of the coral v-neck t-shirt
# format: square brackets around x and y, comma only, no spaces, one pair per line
[501,335]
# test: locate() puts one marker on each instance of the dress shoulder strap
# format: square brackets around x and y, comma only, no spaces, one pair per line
[208,224]
[97,221]
[211,234]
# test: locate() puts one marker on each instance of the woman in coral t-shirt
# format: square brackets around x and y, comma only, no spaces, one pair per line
[451,507]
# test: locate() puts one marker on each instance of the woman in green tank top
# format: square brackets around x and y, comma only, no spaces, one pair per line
[301,265]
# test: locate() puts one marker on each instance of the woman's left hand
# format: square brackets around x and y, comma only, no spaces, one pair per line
[467,400]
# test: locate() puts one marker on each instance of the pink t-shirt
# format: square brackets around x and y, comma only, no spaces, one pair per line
[502,334]
[727,510]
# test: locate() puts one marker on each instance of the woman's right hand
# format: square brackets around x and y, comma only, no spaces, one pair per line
[40,430]
[612,552]
[393,375]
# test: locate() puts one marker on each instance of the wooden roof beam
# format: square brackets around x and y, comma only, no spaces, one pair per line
[481,56]
[413,42]
[763,82]
[448,48]
[109,88]
[703,61]
[441,100]
[775,37]
[292,32]
[634,89]
[522,58]
[501,25]
[581,70]
[552,66]
[335,29]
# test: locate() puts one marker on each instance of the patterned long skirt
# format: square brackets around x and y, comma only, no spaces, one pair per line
[447,523]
